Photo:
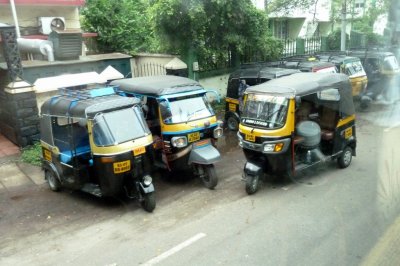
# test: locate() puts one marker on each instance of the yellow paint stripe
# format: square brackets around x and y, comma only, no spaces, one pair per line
[345,121]
[231,100]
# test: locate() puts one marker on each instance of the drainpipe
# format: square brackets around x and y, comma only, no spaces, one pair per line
[14,14]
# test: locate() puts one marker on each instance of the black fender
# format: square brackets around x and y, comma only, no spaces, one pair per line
[234,114]
[46,165]
[146,190]
[252,169]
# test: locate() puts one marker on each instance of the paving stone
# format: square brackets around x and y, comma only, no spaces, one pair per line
[11,176]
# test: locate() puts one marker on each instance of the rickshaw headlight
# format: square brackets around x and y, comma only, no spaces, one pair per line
[273,147]
[179,142]
[147,180]
[269,147]
[218,132]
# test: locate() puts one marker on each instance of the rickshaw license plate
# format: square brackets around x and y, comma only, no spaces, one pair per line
[192,137]
[232,107]
[47,155]
[251,138]
[348,132]
[138,151]
[121,167]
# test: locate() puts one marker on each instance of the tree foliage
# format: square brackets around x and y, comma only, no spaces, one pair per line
[121,25]
[214,28]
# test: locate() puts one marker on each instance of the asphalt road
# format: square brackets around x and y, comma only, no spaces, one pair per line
[328,216]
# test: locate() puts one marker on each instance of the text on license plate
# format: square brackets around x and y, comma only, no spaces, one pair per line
[121,167]
[250,138]
[139,150]
[193,136]
[348,132]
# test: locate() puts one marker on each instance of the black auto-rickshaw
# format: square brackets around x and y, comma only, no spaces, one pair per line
[296,122]
[184,126]
[381,68]
[251,75]
[97,142]
[352,67]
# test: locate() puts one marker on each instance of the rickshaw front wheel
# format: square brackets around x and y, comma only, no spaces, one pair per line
[252,183]
[209,177]
[344,160]
[233,123]
[52,180]
[149,202]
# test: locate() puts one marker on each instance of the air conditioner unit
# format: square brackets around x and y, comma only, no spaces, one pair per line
[48,24]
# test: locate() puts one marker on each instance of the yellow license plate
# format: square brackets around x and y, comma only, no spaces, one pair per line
[192,137]
[121,167]
[47,155]
[232,107]
[251,138]
[348,132]
[139,150]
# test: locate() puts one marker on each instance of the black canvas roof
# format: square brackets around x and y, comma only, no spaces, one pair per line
[157,85]
[301,84]
[64,105]
[263,72]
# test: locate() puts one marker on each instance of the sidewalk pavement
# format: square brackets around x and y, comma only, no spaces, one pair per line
[13,172]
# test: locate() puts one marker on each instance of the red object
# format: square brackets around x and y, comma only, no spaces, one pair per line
[46,2]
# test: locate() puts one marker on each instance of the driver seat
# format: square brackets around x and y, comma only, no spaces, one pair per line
[327,123]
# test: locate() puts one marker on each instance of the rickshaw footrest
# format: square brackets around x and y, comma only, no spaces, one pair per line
[92,189]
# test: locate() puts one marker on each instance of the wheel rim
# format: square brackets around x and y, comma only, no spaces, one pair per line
[347,157]
[50,179]
[232,123]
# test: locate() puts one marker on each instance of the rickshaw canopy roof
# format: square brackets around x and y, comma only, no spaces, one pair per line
[83,106]
[157,85]
[300,84]
[263,72]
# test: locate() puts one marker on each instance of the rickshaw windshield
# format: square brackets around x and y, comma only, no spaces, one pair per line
[265,110]
[119,126]
[354,69]
[188,108]
[390,63]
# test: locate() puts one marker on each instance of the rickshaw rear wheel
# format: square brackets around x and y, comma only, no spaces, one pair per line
[344,160]
[52,180]
[252,183]
[233,123]
[209,177]
[149,202]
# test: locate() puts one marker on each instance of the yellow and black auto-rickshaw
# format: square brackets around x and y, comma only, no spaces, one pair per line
[295,122]
[381,67]
[184,126]
[98,142]
[249,75]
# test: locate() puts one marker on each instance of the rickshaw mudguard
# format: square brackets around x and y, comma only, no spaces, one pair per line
[147,189]
[51,167]
[204,155]
[252,169]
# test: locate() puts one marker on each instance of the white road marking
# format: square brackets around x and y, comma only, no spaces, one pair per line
[175,249]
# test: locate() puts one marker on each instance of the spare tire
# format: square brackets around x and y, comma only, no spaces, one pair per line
[311,132]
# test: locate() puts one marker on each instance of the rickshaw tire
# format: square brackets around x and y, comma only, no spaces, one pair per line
[252,183]
[210,179]
[149,202]
[232,123]
[344,160]
[52,180]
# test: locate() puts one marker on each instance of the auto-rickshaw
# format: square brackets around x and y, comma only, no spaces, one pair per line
[352,67]
[98,142]
[253,75]
[381,68]
[184,126]
[296,122]
[308,63]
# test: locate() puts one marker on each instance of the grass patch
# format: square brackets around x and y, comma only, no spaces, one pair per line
[32,154]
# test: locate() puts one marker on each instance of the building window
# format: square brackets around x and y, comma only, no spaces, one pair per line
[281,29]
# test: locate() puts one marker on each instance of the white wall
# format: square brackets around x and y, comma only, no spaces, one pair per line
[218,83]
